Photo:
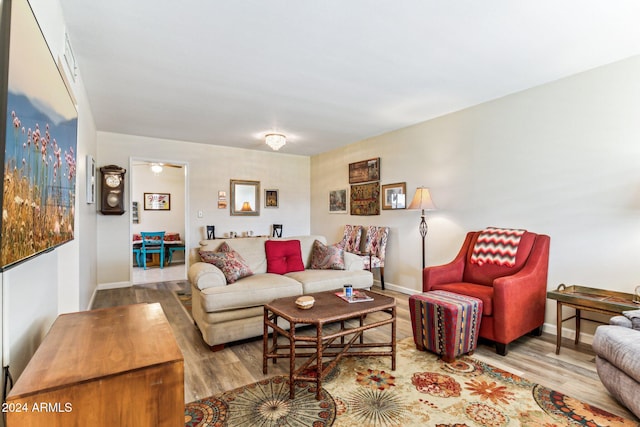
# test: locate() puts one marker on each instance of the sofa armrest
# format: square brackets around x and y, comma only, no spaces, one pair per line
[620,347]
[620,321]
[204,275]
[634,317]
[353,262]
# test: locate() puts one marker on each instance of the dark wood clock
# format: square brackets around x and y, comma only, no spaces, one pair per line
[112,189]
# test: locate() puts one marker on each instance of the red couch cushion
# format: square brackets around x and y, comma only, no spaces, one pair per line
[283,256]
[485,274]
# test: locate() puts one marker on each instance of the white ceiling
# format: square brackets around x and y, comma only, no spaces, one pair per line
[326,72]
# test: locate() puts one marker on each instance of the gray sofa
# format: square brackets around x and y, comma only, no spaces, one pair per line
[230,312]
[617,348]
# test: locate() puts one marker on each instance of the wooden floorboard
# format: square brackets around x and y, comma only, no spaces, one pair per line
[207,373]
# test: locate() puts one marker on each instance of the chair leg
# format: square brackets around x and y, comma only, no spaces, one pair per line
[382,277]
[144,259]
[501,349]
[162,260]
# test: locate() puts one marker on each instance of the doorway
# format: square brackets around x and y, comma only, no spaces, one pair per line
[153,180]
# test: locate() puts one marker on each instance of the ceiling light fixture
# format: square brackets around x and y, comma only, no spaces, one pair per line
[156,168]
[275,140]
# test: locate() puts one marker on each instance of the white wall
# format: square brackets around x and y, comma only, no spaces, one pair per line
[560,159]
[40,289]
[210,168]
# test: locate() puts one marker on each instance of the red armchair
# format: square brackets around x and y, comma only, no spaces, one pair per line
[513,298]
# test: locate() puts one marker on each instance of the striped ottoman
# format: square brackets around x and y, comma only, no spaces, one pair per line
[445,323]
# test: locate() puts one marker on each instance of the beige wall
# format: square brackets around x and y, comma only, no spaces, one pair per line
[209,169]
[560,159]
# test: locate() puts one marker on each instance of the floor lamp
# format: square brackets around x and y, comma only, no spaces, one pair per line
[422,200]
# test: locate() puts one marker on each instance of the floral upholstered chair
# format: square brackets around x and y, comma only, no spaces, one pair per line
[374,249]
[351,238]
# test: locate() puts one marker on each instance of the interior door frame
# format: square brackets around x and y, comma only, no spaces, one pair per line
[185,165]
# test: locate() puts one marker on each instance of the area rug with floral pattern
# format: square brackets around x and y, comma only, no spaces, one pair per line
[422,391]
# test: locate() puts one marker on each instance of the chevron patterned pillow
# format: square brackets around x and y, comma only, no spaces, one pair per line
[497,246]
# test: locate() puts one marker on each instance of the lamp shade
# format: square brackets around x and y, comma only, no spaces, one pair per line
[246,207]
[422,200]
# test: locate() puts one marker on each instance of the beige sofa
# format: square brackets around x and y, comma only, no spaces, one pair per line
[230,312]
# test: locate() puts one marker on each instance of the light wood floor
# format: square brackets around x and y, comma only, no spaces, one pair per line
[573,372]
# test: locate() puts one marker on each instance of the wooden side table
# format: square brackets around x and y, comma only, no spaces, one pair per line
[594,300]
[118,366]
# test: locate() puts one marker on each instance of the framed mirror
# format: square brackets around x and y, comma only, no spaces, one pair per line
[245,197]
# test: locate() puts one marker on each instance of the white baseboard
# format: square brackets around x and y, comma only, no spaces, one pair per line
[401,289]
[113,285]
[568,333]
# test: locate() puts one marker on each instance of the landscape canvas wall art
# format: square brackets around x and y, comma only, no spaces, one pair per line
[39,142]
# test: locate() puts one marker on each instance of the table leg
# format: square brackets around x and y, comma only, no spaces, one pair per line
[578,314]
[265,341]
[274,338]
[393,339]
[558,326]
[292,359]
[319,360]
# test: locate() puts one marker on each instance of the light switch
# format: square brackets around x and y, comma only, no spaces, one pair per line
[200,214]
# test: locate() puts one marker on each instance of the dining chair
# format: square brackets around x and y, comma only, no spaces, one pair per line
[152,243]
[136,254]
[172,249]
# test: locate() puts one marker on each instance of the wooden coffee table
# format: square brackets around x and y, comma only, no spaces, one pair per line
[328,309]
[582,298]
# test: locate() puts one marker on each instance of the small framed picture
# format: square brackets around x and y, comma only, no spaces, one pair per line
[270,198]
[338,201]
[394,196]
[222,199]
[157,201]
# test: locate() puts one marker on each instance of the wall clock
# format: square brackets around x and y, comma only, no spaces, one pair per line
[112,189]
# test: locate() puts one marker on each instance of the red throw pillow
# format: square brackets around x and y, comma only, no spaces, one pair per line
[283,256]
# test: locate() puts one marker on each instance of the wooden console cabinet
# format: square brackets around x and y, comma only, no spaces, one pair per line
[118,366]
